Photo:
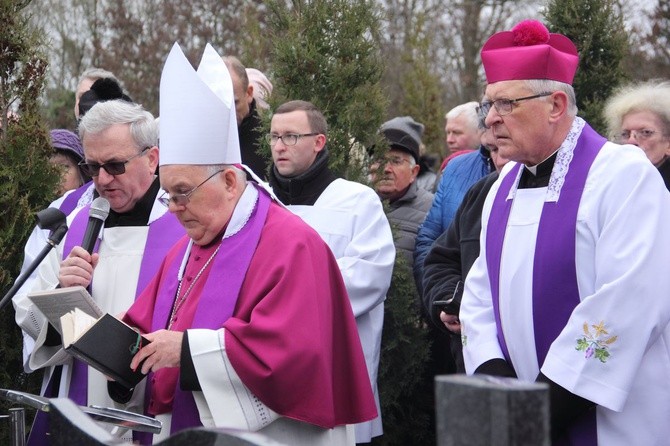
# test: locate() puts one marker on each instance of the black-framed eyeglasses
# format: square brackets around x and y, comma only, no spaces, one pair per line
[183,199]
[289,139]
[639,135]
[111,167]
[505,106]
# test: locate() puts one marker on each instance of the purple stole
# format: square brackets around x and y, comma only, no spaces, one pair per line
[70,202]
[555,290]
[220,292]
[164,232]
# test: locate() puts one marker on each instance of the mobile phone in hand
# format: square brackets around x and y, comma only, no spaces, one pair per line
[450,306]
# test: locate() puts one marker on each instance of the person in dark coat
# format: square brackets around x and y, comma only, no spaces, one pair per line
[248,119]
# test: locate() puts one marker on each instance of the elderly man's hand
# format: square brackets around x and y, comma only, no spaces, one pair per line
[451,322]
[163,350]
[77,268]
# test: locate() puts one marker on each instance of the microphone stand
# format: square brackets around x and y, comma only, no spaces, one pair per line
[53,241]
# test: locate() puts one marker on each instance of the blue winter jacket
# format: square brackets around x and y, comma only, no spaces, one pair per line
[461,173]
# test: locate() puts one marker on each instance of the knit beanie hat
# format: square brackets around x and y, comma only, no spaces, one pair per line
[404,133]
[68,142]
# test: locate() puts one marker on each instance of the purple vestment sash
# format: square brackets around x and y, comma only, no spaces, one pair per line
[220,292]
[163,233]
[555,288]
[70,202]
[40,426]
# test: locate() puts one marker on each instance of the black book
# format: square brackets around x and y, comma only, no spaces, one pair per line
[106,344]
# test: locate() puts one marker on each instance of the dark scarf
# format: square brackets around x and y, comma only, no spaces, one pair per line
[250,132]
[306,188]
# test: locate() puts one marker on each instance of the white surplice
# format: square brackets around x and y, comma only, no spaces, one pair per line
[622,257]
[350,218]
[114,288]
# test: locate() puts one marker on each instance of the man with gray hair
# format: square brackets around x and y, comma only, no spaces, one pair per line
[248,319]
[571,286]
[121,155]
[462,128]
[463,134]
[395,179]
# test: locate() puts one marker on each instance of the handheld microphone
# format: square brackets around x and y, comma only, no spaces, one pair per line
[96,217]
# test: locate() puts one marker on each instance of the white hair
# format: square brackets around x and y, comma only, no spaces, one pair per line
[213,168]
[95,73]
[652,96]
[539,86]
[468,111]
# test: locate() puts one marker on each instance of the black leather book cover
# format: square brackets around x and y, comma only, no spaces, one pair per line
[109,346]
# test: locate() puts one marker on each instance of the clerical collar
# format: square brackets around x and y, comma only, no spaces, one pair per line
[306,188]
[539,174]
[138,215]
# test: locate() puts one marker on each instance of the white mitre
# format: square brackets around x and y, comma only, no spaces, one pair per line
[198,124]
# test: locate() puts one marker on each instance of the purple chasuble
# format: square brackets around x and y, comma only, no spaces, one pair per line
[220,292]
[555,289]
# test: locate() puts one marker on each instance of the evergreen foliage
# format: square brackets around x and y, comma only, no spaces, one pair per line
[597,29]
[325,52]
[422,92]
[27,180]
[405,383]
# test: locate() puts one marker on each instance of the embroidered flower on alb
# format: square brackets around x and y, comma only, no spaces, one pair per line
[596,343]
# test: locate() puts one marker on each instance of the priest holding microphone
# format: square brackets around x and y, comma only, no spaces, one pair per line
[121,155]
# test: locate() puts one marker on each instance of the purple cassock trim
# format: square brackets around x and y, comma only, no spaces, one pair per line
[163,234]
[555,289]
[220,292]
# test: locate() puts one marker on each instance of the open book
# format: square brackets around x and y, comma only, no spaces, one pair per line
[106,348]
[106,344]
[55,303]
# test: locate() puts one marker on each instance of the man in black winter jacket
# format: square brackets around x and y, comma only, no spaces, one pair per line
[248,121]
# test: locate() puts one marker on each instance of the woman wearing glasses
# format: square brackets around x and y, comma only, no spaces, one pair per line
[639,114]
